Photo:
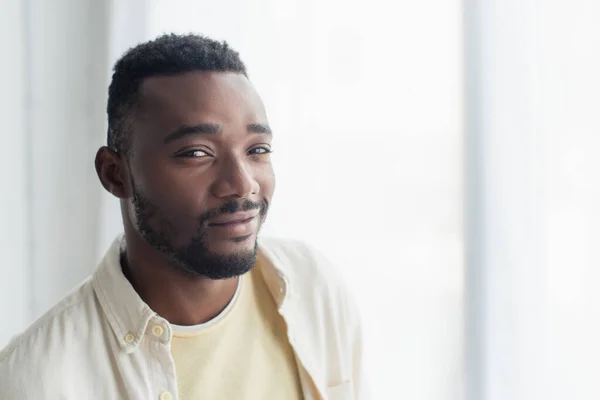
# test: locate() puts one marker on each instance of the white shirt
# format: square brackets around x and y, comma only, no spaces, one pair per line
[103,342]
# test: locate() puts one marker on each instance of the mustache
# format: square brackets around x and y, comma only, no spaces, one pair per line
[235,206]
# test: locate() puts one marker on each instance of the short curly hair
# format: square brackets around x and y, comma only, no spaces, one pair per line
[169,54]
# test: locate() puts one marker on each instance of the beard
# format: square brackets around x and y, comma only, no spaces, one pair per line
[194,258]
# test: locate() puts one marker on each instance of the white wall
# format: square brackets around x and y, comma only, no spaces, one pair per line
[68,76]
[505,208]
[15,268]
[569,100]
[53,102]
[533,123]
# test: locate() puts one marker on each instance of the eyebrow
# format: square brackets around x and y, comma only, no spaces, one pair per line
[211,129]
[187,130]
[260,128]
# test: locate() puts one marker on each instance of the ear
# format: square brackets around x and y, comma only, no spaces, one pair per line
[111,170]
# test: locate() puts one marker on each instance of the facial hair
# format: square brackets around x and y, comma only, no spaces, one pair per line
[194,258]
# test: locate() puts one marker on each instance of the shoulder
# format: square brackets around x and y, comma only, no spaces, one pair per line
[311,274]
[320,308]
[301,261]
[42,346]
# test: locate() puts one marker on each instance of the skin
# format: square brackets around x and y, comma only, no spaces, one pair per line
[177,182]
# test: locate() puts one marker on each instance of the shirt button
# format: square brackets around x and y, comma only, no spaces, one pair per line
[157,330]
[129,338]
[166,396]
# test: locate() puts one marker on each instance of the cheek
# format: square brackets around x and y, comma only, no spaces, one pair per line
[178,194]
[177,181]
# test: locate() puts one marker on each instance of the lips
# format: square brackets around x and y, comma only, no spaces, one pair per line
[234,218]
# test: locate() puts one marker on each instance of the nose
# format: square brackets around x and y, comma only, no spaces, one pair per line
[235,179]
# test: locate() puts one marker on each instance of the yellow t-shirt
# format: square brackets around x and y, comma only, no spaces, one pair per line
[245,355]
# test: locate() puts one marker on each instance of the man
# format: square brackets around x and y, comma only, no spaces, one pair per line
[189,303]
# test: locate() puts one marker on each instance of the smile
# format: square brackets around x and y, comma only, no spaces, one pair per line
[235,225]
[233,219]
[231,223]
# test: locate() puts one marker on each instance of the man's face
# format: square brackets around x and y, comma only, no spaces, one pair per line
[200,171]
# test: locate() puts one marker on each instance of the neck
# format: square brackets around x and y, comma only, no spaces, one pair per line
[172,293]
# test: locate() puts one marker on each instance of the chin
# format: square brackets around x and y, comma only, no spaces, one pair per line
[233,245]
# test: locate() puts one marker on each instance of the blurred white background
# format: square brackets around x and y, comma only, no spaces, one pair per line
[442,154]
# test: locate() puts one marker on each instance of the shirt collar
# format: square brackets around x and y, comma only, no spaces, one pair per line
[128,315]
[126,312]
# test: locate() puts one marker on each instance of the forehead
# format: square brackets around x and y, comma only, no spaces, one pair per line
[227,98]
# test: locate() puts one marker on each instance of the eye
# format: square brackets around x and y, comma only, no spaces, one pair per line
[197,153]
[260,150]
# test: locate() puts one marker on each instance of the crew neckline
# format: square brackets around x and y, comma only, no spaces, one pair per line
[191,329]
